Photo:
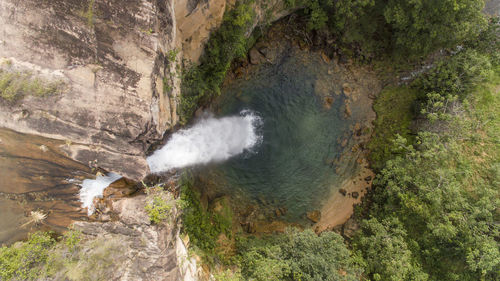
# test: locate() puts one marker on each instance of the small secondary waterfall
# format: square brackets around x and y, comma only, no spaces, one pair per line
[95,188]
[209,140]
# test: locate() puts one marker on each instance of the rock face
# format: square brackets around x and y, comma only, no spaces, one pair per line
[145,251]
[110,55]
[119,62]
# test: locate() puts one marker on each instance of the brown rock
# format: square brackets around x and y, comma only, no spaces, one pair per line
[343,191]
[355,194]
[255,56]
[347,111]
[328,101]
[347,90]
[120,188]
[344,142]
[368,178]
[314,216]
[325,57]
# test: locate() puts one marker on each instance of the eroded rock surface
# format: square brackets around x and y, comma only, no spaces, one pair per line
[110,54]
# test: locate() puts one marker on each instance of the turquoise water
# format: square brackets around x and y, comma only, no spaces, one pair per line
[292,166]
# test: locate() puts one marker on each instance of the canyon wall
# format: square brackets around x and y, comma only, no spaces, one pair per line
[119,63]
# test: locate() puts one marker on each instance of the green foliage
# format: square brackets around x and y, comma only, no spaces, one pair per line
[404,29]
[394,108]
[202,225]
[14,85]
[386,251]
[172,55]
[298,255]
[72,239]
[202,82]
[228,275]
[456,75]
[158,210]
[21,261]
[443,196]
[434,210]
[158,206]
[422,26]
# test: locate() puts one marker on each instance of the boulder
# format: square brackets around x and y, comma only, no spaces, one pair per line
[255,56]
[314,216]
[343,191]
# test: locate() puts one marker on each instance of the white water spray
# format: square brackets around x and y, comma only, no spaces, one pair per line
[95,188]
[209,140]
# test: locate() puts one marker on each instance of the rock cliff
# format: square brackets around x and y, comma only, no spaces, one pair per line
[110,56]
[119,62]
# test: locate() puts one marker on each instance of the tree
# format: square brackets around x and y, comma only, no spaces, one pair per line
[422,26]
[299,255]
[386,252]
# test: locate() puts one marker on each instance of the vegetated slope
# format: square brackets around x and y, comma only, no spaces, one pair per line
[434,211]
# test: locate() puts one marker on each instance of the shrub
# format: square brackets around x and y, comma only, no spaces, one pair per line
[158,206]
[22,261]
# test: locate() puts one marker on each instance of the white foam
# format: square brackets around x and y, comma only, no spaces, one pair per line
[209,140]
[94,188]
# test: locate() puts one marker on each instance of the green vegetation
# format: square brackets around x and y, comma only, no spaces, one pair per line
[205,225]
[68,257]
[89,14]
[159,204]
[298,255]
[434,211]
[202,82]
[14,85]
[22,260]
[394,108]
[403,29]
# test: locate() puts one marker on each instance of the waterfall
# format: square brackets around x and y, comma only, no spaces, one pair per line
[94,188]
[209,140]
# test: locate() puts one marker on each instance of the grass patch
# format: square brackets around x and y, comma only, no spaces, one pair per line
[15,85]
[394,108]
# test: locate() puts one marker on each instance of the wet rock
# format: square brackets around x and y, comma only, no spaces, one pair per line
[355,194]
[347,111]
[120,188]
[344,142]
[255,56]
[328,101]
[314,216]
[346,89]
[343,191]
